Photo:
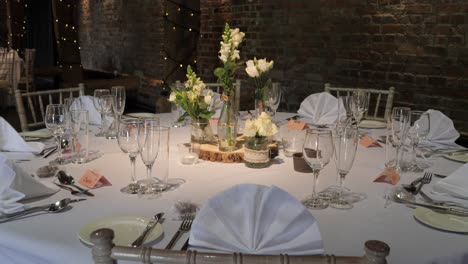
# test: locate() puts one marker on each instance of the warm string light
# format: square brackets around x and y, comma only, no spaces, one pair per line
[62,40]
[182,10]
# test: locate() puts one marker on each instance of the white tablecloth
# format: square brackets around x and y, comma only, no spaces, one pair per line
[52,238]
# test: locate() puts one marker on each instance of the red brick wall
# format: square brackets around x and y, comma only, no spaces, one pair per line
[419,47]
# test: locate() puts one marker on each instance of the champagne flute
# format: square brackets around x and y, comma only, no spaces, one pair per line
[317,150]
[359,104]
[56,121]
[418,130]
[345,143]
[118,107]
[274,98]
[148,144]
[98,93]
[400,122]
[127,138]
[105,102]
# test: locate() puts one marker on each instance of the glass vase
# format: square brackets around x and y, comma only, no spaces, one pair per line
[227,125]
[257,152]
[201,132]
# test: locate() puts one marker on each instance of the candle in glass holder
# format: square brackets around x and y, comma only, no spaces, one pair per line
[187,154]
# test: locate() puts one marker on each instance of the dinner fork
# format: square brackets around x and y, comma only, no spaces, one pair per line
[184,227]
[425,180]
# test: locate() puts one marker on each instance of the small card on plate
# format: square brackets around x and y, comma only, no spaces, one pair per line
[389,175]
[93,179]
[297,125]
[369,142]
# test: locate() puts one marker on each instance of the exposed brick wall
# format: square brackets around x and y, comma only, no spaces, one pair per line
[126,36]
[419,47]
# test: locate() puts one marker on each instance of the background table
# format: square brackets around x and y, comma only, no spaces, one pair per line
[53,238]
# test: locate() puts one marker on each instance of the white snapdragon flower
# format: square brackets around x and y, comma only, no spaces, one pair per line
[237,37]
[235,55]
[172,97]
[192,96]
[208,97]
[251,69]
[264,66]
[199,87]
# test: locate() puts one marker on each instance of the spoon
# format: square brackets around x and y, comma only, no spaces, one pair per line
[50,208]
[67,179]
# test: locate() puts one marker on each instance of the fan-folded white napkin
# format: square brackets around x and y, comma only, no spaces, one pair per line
[256,219]
[321,108]
[10,140]
[442,133]
[455,184]
[16,184]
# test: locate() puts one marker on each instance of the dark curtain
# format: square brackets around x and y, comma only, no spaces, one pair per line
[40,32]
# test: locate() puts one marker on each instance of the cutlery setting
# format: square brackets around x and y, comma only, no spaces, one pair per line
[184,227]
[151,224]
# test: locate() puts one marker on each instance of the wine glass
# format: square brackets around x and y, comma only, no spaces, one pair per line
[105,102]
[56,121]
[345,143]
[274,98]
[418,130]
[317,150]
[148,144]
[359,104]
[400,123]
[98,93]
[127,138]
[118,107]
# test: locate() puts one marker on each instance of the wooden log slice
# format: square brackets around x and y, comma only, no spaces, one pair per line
[211,153]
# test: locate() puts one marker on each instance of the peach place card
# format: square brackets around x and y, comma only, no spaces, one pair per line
[297,125]
[389,175]
[369,142]
[93,179]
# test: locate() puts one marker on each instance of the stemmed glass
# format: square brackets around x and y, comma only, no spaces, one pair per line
[317,150]
[118,107]
[418,130]
[400,124]
[98,93]
[106,108]
[127,138]
[359,104]
[274,98]
[148,143]
[345,143]
[56,121]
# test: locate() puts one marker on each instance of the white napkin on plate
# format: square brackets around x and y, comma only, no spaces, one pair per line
[256,219]
[16,184]
[216,103]
[10,140]
[455,184]
[442,133]
[321,108]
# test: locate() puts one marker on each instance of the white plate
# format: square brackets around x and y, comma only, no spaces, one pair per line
[126,229]
[36,134]
[460,157]
[372,124]
[447,222]
[141,115]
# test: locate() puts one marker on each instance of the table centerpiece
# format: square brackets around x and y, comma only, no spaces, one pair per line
[258,135]
[258,70]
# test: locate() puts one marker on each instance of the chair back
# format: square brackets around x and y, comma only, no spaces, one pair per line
[27,77]
[37,101]
[104,252]
[7,69]
[374,97]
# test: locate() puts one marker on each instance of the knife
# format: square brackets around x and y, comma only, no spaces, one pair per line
[151,224]
[50,153]
[440,209]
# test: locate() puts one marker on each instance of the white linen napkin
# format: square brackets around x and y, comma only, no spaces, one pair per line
[216,103]
[10,140]
[16,184]
[256,219]
[455,184]
[321,108]
[88,104]
[442,133]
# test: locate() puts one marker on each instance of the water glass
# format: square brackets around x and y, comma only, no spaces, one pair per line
[273,99]
[55,120]
[418,130]
[162,161]
[400,124]
[359,104]
[80,135]
[293,143]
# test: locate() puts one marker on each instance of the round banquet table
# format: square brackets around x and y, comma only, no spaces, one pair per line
[53,238]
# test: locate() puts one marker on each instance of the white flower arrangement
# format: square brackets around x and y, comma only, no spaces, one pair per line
[229,54]
[193,99]
[262,126]
[258,70]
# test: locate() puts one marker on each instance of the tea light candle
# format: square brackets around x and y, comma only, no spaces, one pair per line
[189,158]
